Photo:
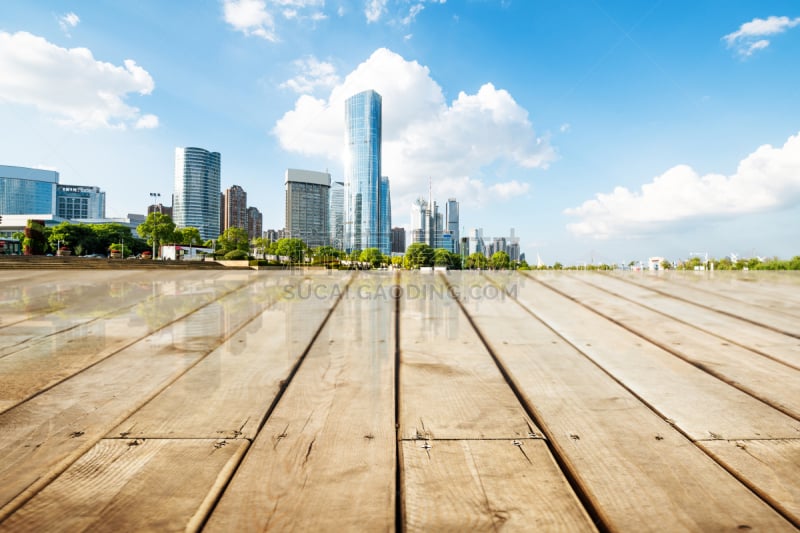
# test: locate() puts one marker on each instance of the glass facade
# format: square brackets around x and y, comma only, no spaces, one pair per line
[336,212]
[197,191]
[26,191]
[385,229]
[363,198]
[451,213]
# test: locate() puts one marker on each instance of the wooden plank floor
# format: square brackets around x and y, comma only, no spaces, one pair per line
[382,401]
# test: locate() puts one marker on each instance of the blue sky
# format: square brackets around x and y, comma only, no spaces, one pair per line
[600,130]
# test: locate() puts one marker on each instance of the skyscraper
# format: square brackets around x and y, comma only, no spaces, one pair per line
[254,223]
[365,188]
[385,227]
[197,190]
[307,202]
[235,208]
[336,212]
[451,215]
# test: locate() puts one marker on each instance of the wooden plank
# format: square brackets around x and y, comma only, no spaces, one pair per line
[133,485]
[638,472]
[734,330]
[769,318]
[96,298]
[770,381]
[771,468]
[325,459]
[479,485]
[450,388]
[42,436]
[228,393]
[772,290]
[26,293]
[35,308]
[84,341]
[699,404]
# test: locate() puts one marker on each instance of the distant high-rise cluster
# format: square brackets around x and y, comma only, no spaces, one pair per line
[428,224]
[367,198]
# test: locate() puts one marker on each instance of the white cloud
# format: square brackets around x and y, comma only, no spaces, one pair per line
[70,20]
[767,179]
[412,14]
[374,9]
[313,74]
[147,122]
[565,127]
[458,145]
[749,37]
[257,17]
[70,84]
[250,17]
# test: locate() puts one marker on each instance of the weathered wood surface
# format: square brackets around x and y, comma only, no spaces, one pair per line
[736,331]
[636,470]
[487,485]
[235,400]
[771,381]
[325,459]
[450,388]
[764,316]
[133,485]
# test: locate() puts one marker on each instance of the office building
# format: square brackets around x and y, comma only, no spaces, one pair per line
[451,216]
[77,202]
[385,229]
[197,191]
[398,240]
[419,220]
[26,191]
[336,213]
[366,190]
[254,223]
[234,204]
[307,201]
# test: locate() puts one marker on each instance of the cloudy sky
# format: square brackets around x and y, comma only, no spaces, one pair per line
[600,130]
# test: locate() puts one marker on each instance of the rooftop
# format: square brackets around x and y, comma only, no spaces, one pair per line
[242,400]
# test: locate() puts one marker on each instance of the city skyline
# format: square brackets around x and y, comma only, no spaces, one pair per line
[603,131]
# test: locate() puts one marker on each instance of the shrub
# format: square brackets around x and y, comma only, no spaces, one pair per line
[236,255]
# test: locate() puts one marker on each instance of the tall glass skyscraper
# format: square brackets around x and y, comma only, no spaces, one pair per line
[363,181]
[197,190]
[336,213]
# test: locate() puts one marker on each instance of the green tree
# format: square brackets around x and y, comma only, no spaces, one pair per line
[445,258]
[262,246]
[158,228]
[188,236]
[477,260]
[325,255]
[373,256]
[397,261]
[291,248]
[500,260]
[232,239]
[559,266]
[419,255]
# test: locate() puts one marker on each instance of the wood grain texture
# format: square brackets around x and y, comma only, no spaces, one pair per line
[699,404]
[778,346]
[41,437]
[639,473]
[325,459]
[229,392]
[79,341]
[770,318]
[770,467]
[133,485]
[771,381]
[471,485]
[450,387]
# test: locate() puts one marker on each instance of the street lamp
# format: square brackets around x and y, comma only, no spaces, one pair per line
[155,196]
